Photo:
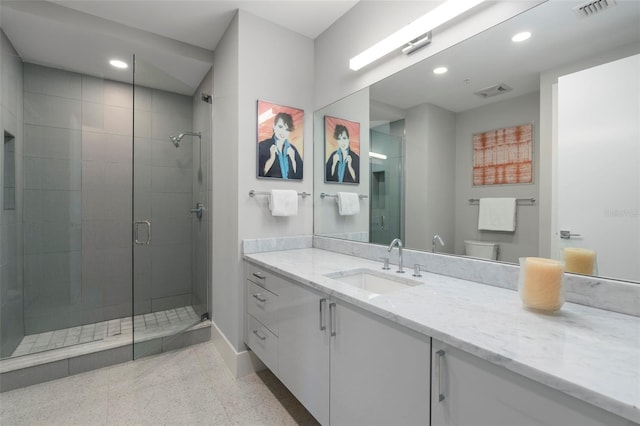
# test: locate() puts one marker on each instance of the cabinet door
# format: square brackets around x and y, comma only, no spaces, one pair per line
[468,390]
[304,347]
[379,372]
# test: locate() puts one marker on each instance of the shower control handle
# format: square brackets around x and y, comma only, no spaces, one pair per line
[198,210]
[137,232]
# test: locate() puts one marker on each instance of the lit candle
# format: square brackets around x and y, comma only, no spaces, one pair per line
[579,260]
[540,283]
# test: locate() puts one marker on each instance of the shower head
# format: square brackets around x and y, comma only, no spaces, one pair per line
[176,139]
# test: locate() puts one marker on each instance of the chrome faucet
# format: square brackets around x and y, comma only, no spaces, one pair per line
[433,242]
[397,242]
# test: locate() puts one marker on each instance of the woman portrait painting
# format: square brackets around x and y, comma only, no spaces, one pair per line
[280,136]
[342,150]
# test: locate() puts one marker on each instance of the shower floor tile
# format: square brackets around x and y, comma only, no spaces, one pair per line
[147,326]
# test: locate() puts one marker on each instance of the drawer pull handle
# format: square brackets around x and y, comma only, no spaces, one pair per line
[259,275]
[332,319]
[323,325]
[440,354]
[260,299]
[263,338]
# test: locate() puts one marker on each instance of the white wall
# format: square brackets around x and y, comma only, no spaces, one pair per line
[511,112]
[429,160]
[255,60]
[370,21]
[327,221]
[226,278]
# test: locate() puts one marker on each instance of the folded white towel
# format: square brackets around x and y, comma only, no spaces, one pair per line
[497,214]
[283,202]
[348,203]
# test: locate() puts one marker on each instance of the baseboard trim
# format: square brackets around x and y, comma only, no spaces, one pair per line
[239,363]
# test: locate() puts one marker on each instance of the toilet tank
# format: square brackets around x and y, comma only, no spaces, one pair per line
[481,249]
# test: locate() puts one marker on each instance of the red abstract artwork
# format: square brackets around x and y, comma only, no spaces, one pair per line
[503,156]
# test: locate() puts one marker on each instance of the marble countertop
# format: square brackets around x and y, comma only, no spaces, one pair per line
[591,354]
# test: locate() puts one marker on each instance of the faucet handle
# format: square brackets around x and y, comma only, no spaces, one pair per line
[386,263]
[416,270]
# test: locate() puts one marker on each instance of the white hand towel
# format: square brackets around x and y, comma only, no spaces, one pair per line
[283,202]
[348,203]
[497,214]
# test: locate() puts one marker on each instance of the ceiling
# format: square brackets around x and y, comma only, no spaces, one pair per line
[173,40]
[559,37]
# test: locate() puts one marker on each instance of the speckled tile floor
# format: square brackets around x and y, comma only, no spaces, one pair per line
[190,386]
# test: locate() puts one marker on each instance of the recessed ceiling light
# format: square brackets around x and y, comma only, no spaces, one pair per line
[521,36]
[440,70]
[118,64]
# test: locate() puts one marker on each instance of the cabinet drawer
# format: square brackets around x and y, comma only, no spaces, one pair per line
[261,277]
[263,306]
[263,343]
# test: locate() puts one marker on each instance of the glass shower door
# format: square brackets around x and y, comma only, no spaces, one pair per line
[386,192]
[170,224]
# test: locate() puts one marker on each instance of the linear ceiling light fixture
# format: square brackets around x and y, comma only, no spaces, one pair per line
[421,26]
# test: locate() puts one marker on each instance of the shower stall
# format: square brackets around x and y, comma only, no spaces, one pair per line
[105,231]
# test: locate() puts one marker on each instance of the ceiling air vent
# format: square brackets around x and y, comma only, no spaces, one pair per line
[498,89]
[593,7]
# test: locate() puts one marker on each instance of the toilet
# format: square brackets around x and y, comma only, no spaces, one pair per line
[481,249]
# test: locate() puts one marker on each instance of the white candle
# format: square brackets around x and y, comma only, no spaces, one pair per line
[579,260]
[540,283]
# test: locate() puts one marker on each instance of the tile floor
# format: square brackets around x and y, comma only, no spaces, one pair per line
[147,326]
[190,386]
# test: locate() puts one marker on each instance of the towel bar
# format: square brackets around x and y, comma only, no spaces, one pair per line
[253,193]
[323,195]
[528,200]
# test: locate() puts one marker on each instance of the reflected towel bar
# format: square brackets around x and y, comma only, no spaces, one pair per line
[253,193]
[527,200]
[323,195]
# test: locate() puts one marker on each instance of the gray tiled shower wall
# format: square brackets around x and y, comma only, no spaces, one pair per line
[78,199]
[11,258]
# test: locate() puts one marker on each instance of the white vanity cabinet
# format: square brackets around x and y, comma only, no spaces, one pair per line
[379,371]
[347,366]
[261,301]
[304,347]
[467,390]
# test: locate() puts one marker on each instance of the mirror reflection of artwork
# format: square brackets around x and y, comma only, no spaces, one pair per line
[280,141]
[503,156]
[342,150]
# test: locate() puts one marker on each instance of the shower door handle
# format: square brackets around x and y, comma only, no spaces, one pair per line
[137,232]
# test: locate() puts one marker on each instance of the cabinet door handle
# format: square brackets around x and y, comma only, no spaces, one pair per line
[259,275]
[440,354]
[257,296]
[263,338]
[323,325]
[332,319]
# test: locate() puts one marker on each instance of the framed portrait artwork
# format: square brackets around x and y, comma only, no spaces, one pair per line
[341,150]
[503,156]
[280,142]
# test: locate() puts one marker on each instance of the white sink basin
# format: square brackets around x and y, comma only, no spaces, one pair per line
[373,281]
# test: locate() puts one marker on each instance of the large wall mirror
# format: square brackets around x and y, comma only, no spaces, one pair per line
[573,86]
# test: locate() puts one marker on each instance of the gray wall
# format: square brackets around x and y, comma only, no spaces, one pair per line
[524,241]
[78,172]
[202,185]
[11,257]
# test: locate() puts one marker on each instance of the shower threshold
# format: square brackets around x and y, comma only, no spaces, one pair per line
[50,355]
